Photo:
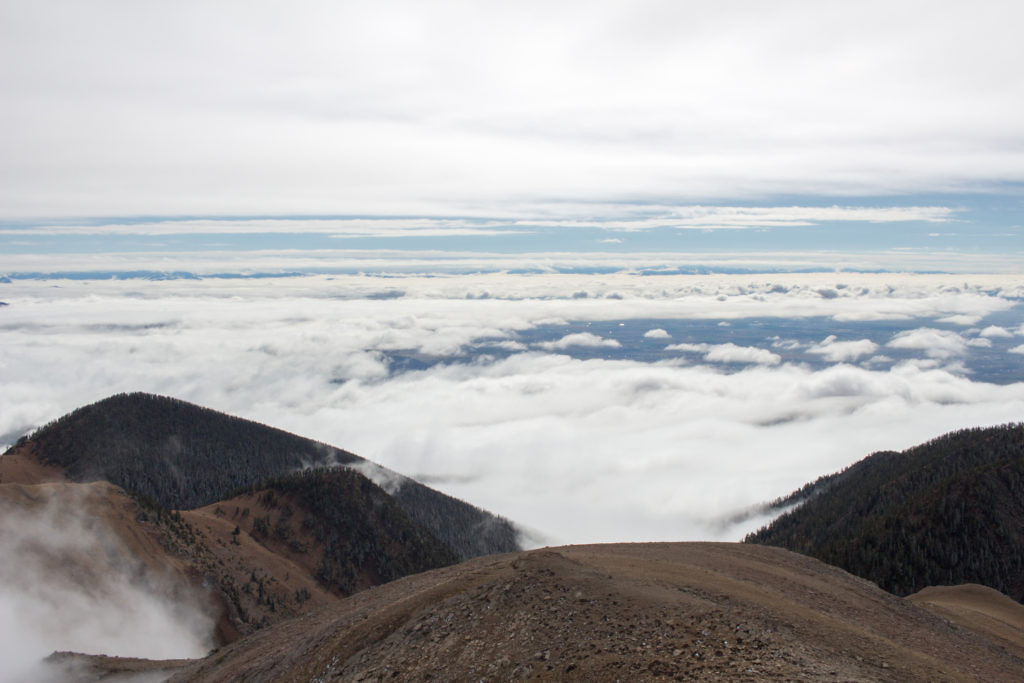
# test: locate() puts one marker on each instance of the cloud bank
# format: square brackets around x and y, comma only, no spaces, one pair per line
[450,382]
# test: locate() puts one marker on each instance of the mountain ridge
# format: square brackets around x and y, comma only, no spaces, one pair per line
[286,524]
[640,611]
[948,511]
[185,456]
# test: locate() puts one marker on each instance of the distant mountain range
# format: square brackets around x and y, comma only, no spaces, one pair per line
[949,511]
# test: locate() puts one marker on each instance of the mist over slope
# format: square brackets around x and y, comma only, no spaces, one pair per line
[78,571]
[185,456]
[948,511]
[95,559]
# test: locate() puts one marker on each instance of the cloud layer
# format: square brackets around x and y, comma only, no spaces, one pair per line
[449,380]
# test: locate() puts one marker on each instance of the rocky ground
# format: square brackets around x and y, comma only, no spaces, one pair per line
[683,611]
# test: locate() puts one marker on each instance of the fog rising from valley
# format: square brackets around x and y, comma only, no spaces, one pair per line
[67,582]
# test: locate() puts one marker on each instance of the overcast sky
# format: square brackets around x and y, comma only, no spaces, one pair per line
[124,108]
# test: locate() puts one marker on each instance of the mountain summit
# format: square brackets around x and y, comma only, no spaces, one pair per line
[184,456]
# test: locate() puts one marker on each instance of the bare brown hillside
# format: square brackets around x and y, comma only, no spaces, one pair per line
[121,541]
[980,609]
[676,611]
[239,583]
[256,559]
[263,580]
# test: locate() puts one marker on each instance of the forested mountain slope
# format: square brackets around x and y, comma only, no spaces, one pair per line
[365,537]
[181,455]
[949,511]
[185,456]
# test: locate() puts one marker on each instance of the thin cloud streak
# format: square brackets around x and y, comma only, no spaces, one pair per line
[403,261]
[625,217]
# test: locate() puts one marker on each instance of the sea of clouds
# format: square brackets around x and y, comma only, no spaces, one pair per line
[487,387]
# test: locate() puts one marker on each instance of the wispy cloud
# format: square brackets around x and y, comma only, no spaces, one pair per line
[735,217]
[622,217]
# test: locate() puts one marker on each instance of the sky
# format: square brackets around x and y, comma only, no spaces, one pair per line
[575,111]
[616,270]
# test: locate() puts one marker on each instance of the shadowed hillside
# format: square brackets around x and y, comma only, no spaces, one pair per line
[184,456]
[946,512]
[366,538]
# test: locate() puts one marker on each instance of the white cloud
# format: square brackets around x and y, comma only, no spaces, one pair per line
[617,217]
[729,353]
[585,339]
[935,343]
[737,217]
[838,352]
[688,346]
[595,450]
[657,333]
[506,345]
[961,319]
[1017,349]
[995,331]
